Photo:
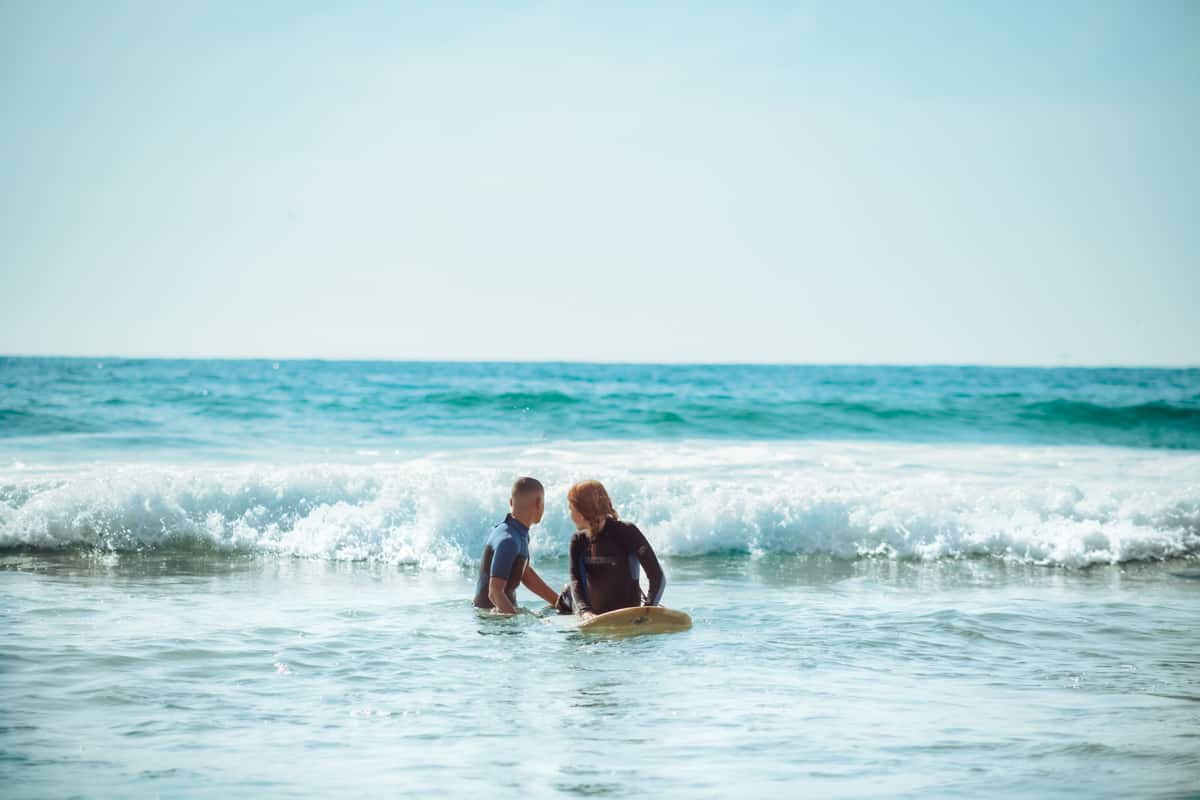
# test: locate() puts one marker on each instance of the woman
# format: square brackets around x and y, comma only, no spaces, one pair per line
[605,554]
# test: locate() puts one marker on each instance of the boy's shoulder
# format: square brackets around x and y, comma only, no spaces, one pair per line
[502,530]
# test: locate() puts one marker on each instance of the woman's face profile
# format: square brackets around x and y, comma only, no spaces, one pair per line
[577,518]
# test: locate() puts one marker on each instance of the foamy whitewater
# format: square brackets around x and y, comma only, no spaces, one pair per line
[1066,506]
[254,578]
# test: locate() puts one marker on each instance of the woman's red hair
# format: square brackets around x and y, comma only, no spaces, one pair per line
[591,500]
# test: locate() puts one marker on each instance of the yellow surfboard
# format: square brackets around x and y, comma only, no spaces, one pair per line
[638,620]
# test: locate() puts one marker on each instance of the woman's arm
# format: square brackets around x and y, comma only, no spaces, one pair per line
[636,543]
[579,596]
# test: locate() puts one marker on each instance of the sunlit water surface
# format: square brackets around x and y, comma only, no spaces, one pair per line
[196,676]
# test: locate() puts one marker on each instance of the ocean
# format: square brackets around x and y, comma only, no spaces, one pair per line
[254,578]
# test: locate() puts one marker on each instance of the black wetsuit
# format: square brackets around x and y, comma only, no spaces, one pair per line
[604,570]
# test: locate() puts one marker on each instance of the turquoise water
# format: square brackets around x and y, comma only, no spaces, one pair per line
[251,408]
[253,578]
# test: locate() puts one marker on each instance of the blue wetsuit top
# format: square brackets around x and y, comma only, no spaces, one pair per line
[504,556]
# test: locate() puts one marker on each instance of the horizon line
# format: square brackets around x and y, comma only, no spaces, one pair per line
[613,362]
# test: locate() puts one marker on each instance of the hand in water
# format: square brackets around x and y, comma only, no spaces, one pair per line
[586,615]
[516,613]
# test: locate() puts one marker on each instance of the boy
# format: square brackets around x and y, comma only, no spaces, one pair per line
[505,562]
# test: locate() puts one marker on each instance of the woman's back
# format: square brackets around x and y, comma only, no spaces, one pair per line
[605,568]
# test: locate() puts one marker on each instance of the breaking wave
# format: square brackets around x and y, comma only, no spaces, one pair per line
[1059,506]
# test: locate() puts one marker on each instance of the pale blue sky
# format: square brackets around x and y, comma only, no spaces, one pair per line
[950,182]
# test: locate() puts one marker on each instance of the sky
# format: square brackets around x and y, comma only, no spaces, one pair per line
[913,182]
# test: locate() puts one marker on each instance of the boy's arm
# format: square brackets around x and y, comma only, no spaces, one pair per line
[498,597]
[534,583]
[503,559]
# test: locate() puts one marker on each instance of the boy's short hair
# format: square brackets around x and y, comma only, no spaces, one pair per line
[527,486]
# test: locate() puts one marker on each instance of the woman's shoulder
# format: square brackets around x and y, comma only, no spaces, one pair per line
[621,527]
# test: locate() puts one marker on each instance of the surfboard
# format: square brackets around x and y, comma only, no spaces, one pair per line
[638,620]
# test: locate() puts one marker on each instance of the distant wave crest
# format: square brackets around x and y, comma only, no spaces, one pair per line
[155,410]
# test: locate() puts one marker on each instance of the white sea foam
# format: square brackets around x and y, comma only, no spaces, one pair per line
[1048,505]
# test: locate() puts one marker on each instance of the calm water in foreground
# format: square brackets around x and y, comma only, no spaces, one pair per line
[252,579]
[195,677]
